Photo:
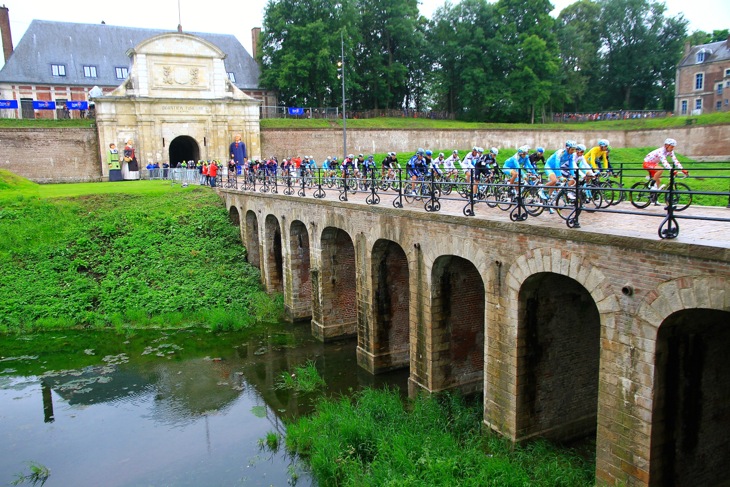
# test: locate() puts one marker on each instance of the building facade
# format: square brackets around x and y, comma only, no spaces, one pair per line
[703,79]
[62,61]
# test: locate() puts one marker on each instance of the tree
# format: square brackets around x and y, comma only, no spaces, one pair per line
[640,50]
[580,42]
[389,51]
[300,47]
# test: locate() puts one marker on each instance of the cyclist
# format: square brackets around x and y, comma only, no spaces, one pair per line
[450,164]
[368,167]
[585,170]
[436,164]
[538,155]
[359,165]
[467,164]
[597,157]
[553,167]
[516,163]
[348,165]
[388,165]
[414,166]
[653,158]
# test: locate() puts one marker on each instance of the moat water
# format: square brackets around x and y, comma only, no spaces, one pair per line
[163,408]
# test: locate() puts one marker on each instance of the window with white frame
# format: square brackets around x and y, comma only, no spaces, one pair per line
[89,71]
[727,73]
[231,76]
[58,69]
[698,104]
[121,73]
[719,88]
[684,107]
[699,81]
[701,57]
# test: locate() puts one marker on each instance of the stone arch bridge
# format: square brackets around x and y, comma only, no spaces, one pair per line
[566,334]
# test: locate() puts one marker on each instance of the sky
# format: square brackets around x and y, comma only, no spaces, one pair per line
[227,17]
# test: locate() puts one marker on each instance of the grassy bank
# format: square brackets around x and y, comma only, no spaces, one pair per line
[372,439]
[135,254]
[425,123]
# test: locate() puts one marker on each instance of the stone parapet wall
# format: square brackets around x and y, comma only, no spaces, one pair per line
[47,155]
[703,143]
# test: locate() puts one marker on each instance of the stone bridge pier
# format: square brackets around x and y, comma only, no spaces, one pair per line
[565,333]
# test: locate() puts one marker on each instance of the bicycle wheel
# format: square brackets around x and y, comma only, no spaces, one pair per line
[564,205]
[639,195]
[682,198]
[504,198]
[592,198]
[532,201]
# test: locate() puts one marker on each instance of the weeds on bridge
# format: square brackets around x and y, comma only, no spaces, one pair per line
[374,439]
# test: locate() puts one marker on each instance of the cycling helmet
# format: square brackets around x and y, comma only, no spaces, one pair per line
[329,158]
[429,152]
[441,154]
[671,142]
[475,149]
[456,152]
[494,151]
[580,147]
[603,142]
[523,150]
[391,154]
[480,149]
[370,157]
[540,150]
[350,156]
[360,156]
[420,151]
[570,144]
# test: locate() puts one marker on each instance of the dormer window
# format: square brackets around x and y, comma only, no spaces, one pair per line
[701,57]
[231,76]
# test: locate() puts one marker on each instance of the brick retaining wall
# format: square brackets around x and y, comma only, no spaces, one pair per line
[47,155]
[70,155]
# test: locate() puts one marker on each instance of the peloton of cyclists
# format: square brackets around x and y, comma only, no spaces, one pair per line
[660,155]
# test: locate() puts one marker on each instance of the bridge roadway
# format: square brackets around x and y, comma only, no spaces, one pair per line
[602,330]
[693,223]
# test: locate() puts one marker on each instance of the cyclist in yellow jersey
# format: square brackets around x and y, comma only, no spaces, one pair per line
[598,153]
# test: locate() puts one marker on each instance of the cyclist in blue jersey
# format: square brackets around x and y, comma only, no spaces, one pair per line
[414,166]
[519,161]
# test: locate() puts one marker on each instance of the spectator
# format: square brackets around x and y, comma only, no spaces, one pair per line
[212,173]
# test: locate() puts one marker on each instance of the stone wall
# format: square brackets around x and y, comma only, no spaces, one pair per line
[703,143]
[47,155]
[71,155]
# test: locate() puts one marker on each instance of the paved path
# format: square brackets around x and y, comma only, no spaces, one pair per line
[694,226]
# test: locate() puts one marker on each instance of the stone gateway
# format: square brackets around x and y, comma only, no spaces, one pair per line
[177,104]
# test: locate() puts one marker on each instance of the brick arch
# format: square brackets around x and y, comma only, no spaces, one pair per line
[565,263]
[686,292]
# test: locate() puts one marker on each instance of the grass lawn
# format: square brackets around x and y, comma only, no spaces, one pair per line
[425,123]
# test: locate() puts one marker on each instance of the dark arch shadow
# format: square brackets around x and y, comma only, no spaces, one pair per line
[183,148]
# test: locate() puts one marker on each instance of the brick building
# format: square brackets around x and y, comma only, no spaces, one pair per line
[703,79]
[63,61]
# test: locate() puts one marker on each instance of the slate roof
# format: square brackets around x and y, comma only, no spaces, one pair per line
[716,51]
[103,46]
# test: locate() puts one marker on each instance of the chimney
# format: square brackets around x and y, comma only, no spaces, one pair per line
[5,29]
[687,48]
[255,34]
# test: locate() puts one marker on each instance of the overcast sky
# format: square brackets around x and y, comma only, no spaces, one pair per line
[218,15]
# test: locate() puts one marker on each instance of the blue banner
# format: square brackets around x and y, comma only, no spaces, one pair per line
[77,105]
[9,104]
[296,111]
[44,105]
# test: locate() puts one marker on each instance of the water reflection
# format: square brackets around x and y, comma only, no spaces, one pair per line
[185,408]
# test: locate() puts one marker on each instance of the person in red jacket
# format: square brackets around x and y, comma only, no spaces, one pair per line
[212,173]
